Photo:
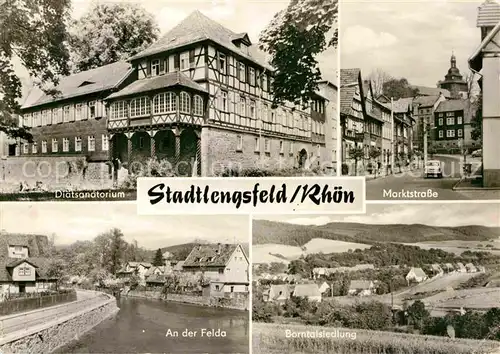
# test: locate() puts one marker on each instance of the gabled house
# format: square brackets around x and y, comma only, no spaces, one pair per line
[361,287]
[416,275]
[448,268]
[470,268]
[319,272]
[436,269]
[178,267]
[423,112]
[403,128]
[134,268]
[373,126]
[309,291]
[324,287]
[278,293]
[460,268]
[225,266]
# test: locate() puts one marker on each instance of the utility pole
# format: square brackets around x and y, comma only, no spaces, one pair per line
[425,142]
[393,147]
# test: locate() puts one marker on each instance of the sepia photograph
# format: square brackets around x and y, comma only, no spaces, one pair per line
[111,91]
[396,280]
[418,98]
[97,278]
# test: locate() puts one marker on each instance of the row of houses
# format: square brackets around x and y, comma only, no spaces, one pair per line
[322,272]
[418,275]
[216,269]
[282,292]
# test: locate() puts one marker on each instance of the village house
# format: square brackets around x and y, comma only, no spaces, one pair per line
[448,267]
[416,275]
[373,127]
[138,269]
[309,291]
[201,95]
[361,287]
[423,112]
[24,265]
[225,267]
[318,272]
[486,59]
[387,132]
[460,268]
[324,287]
[436,269]
[403,128]
[481,269]
[278,293]
[470,268]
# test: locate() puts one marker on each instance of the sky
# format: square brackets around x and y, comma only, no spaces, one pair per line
[250,16]
[449,215]
[412,39]
[84,221]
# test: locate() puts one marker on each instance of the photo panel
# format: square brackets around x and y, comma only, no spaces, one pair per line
[196,89]
[418,109]
[397,279]
[98,278]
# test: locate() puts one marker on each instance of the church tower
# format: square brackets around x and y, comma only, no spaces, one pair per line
[453,80]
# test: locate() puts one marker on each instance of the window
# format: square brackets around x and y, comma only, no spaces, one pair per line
[450,121]
[232,288]
[264,81]
[243,106]
[241,74]
[257,144]
[58,115]
[185,103]
[265,113]
[140,107]
[65,144]
[155,67]
[459,131]
[318,150]
[440,121]
[450,133]
[45,117]
[291,148]
[252,109]
[34,148]
[281,146]
[91,143]
[24,271]
[251,76]
[239,143]
[222,63]
[217,287]
[66,112]
[440,133]
[78,111]
[164,103]
[78,143]
[198,105]
[25,148]
[105,142]
[459,120]
[184,61]
[92,112]
[267,145]
[223,102]
[44,146]
[55,145]
[119,110]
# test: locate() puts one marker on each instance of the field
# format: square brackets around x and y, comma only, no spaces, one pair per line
[271,339]
[262,253]
[477,298]
[442,283]
[459,246]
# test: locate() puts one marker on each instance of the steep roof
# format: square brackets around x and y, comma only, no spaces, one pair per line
[41,264]
[196,28]
[210,255]
[361,284]
[452,105]
[306,290]
[136,264]
[349,81]
[14,263]
[418,272]
[90,81]
[276,289]
[431,91]
[37,244]
[178,266]
[172,79]
[425,101]
[403,105]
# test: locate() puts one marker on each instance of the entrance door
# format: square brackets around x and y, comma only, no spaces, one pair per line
[302,158]
[22,288]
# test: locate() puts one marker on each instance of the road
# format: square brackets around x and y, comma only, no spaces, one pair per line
[141,326]
[400,186]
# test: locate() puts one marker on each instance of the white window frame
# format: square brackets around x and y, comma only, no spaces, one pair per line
[105,142]
[34,148]
[267,145]
[55,144]
[242,72]
[239,142]
[78,112]
[119,110]
[450,121]
[26,148]
[184,102]
[140,107]
[184,59]
[440,121]
[155,64]
[222,63]
[197,105]
[91,143]
[282,147]
[78,143]
[459,133]
[243,106]
[441,133]
[459,120]
[252,109]
[257,145]
[92,110]
[224,103]
[251,76]
[44,146]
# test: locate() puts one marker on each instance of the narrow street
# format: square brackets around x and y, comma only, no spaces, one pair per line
[391,187]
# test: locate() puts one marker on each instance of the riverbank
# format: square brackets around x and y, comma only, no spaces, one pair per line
[46,330]
[237,303]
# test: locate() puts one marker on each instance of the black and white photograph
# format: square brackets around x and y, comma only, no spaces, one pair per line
[97,278]
[396,280]
[418,102]
[98,93]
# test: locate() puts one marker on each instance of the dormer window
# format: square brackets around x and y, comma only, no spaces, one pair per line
[155,67]
[184,61]
[85,83]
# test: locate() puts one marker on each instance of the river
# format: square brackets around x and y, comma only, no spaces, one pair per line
[141,326]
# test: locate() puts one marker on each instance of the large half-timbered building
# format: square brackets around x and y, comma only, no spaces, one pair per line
[200,97]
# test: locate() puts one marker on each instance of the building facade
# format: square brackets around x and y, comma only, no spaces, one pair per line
[403,129]
[373,127]
[423,112]
[200,97]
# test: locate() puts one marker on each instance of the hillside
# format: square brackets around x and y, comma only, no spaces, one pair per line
[271,232]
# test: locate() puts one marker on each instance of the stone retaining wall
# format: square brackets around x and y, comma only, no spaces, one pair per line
[50,338]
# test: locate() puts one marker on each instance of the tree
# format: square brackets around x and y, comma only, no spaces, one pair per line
[418,314]
[158,260]
[399,88]
[116,252]
[110,32]
[357,154]
[477,121]
[378,78]
[33,32]
[293,39]
[55,270]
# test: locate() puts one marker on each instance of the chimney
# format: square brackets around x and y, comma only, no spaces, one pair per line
[488,16]
[219,248]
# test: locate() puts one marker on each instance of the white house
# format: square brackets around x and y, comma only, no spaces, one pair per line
[461,268]
[324,287]
[361,287]
[308,291]
[225,266]
[416,275]
[436,269]
[135,268]
[470,268]
[278,293]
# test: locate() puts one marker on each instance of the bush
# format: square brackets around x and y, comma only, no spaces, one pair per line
[265,172]
[152,168]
